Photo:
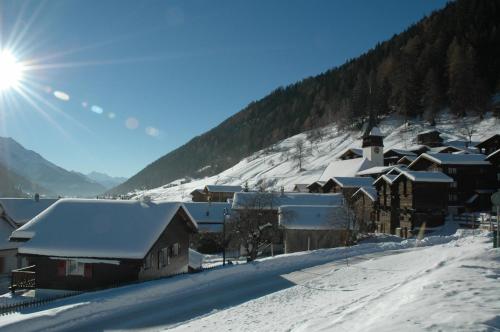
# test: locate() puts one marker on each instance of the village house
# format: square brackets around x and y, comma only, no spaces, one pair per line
[376,172]
[406,160]
[422,199]
[15,212]
[351,153]
[392,156]
[79,244]
[316,187]
[210,218]
[387,218]
[221,193]
[313,227]
[431,138]
[199,195]
[346,185]
[489,145]
[473,178]
[364,207]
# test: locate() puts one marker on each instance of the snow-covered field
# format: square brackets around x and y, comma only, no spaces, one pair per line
[442,282]
[274,167]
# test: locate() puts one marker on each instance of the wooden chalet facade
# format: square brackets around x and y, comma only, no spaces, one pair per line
[387,202]
[316,187]
[422,199]
[221,193]
[490,145]
[494,159]
[431,138]
[105,244]
[365,206]
[392,156]
[346,185]
[199,195]
[473,178]
[351,153]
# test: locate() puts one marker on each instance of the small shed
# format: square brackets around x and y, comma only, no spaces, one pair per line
[313,227]
[199,195]
[351,153]
[221,193]
[431,138]
[364,206]
[301,188]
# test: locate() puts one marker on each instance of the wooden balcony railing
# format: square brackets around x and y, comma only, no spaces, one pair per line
[24,278]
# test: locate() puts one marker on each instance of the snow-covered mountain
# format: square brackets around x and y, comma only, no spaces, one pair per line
[105,180]
[52,179]
[275,166]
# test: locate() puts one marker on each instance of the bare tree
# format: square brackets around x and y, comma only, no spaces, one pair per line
[254,224]
[468,129]
[299,153]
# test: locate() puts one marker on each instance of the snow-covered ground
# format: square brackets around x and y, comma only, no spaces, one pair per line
[442,282]
[274,167]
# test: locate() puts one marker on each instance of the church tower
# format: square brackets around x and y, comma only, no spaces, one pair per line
[373,146]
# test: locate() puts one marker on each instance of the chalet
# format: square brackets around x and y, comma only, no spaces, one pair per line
[221,193]
[346,185]
[351,153]
[301,188]
[418,149]
[82,244]
[387,202]
[431,138]
[316,187]
[313,227]
[364,206]
[422,197]
[15,212]
[489,145]
[391,156]
[473,178]
[446,149]
[210,218]
[199,195]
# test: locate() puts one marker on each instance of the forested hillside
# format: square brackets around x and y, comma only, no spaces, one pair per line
[448,59]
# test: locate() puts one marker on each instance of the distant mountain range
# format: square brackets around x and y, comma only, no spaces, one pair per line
[448,60]
[24,172]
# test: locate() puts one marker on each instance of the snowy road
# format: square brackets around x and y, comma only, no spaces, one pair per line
[451,286]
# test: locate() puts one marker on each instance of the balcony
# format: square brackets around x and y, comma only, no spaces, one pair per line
[23,278]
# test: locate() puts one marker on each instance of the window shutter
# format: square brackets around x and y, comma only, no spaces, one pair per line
[88,270]
[61,268]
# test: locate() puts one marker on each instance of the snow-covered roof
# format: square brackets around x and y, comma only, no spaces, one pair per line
[349,167]
[424,176]
[316,217]
[429,131]
[375,170]
[301,187]
[486,141]
[22,210]
[200,191]
[267,200]
[208,216]
[389,178]
[352,182]
[376,132]
[98,228]
[439,149]
[370,191]
[195,259]
[223,189]
[453,159]
[356,151]
[409,158]
[400,152]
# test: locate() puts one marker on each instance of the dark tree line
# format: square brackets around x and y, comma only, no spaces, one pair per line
[449,59]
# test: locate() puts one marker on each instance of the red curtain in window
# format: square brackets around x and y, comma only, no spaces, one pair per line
[61,268]
[88,270]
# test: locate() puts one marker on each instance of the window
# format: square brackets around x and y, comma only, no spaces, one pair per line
[176,249]
[164,257]
[452,197]
[453,184]
[452,170]
[75,268]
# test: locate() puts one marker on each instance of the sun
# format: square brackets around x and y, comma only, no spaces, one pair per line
[11,70]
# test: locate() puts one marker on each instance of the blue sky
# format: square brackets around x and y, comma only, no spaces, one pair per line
[173,69]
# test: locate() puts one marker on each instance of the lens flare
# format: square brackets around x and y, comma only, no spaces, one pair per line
[11,71]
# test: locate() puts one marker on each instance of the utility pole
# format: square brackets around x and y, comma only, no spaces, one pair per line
[224,237]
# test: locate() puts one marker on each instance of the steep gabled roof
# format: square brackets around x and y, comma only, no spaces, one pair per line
[370,192]
[389,178]
[400,152]
[208,216]
[317,217]
[98,228]
[453,159]
[348,167]
[493,155]
[488,140]
[355,151]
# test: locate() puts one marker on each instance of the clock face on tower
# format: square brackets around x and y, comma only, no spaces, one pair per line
[377,149]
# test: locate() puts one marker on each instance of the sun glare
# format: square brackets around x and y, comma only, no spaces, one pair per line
[11,71]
